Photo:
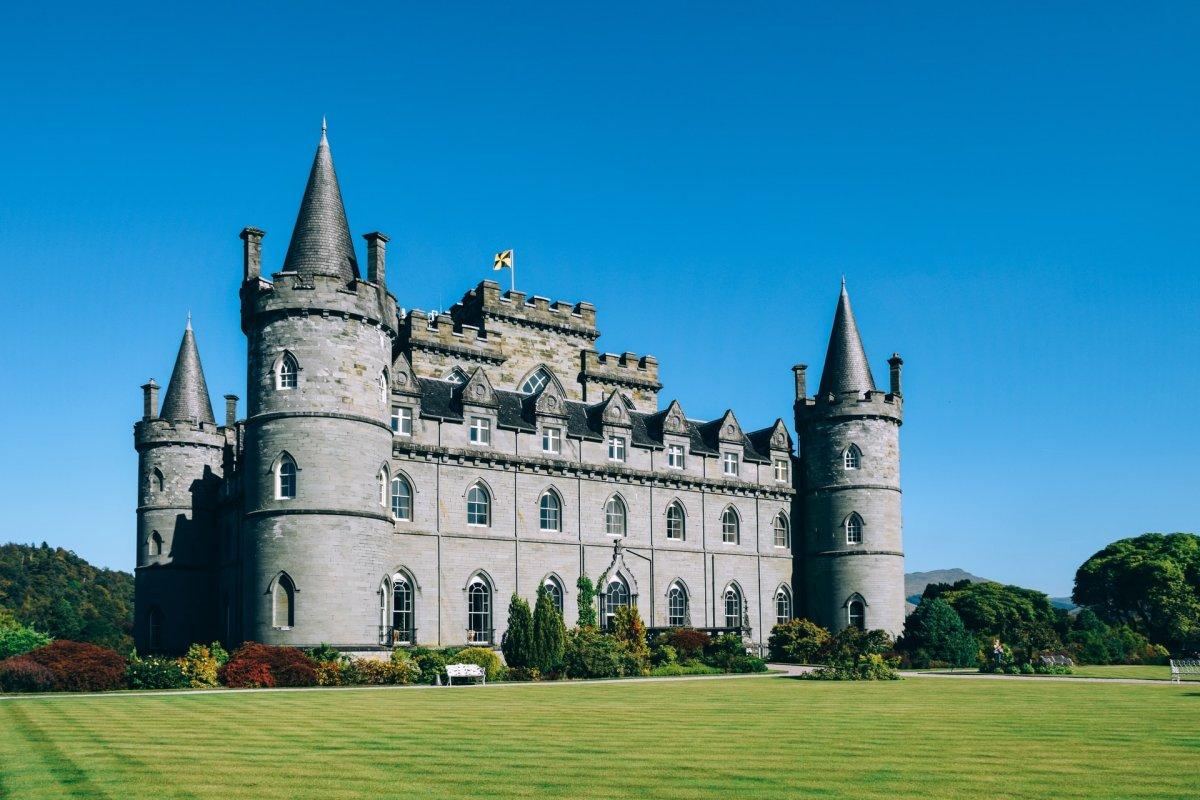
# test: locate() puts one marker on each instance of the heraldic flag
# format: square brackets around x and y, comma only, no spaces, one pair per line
[503,260]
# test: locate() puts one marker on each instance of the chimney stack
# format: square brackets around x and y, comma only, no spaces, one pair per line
[230,410]
[377,258]
[149,400]
[896,362]
[801,382]
[252,253]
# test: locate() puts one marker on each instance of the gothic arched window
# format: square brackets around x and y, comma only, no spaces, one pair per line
[555,590]
[479,506]
[155,547]
[479,611]
[283,602]
[677,606]
[403,616]
[549,511]
[856,613]
[535,382]
[402,497]
[733,606]
[676,523]
[614,516]
[730,526]
[783,533]
[616,595]
[783,605]
[854,529]
[287,373]
[285,478]
[852,457]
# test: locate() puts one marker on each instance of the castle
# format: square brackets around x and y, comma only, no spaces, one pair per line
[398,476]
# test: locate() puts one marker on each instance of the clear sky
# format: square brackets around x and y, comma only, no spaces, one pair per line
[1010,192]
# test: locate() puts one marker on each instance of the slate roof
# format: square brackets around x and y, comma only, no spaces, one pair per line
[846,367]
[321,243]
[187,393]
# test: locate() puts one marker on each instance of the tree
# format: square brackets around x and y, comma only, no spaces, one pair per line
[587,602]
[1021,618]
[797,641]
[630,634]
[549,634]
[935,632]
[1150,583]
[517,644]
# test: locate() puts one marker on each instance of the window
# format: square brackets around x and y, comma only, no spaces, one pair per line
[402,421]
[730,526]
[675,456]
[551,440]
[456,375]
[782,472]
[555,590]
[783,605]
[730,463]
[479,612]
[550,512]
[616,595]
[155,545]
[155,629]
[479,506]
[783,533]
[535,382]
[285,478]
[856,614]
[852,458]
[283,606]
[733,606]
[385,387]
[156,480]
[402,498]
[384,486]
[854,529]
[616,448]
[676,524]
[614,516]
[677,606]
[403,630]
[481,431]
[288,372]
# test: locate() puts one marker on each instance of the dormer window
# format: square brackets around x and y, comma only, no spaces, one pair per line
[456,375]
[535,382]
[782,471]
[402,419]
[675,456]
[552,440]
[729,464]
[616,448]
[481,431]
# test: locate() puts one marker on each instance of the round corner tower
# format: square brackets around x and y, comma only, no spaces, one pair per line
[849,488]
[317,433]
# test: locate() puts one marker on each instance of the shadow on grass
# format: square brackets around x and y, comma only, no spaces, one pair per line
[65,771]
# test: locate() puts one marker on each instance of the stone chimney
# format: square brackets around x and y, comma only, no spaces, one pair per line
[149,400]
[230,410]
[896,363]
[376,258]
[801,381]
[252,253]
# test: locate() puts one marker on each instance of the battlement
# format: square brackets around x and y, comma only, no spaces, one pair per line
[443,333]
[602,373]
[868,404]
[154,432]
[486,301]
[291,292]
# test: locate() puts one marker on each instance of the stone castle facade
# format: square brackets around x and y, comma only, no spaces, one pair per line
[398,476]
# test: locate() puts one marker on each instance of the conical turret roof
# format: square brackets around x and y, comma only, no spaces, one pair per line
[187,393]
[846,366]
[321,242]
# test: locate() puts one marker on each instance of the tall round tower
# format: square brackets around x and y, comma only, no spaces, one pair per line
[179,474]
[849,488]
[317,441]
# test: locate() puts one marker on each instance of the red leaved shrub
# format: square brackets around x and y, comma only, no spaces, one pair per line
[255,665]
[688,642]
[22,674]
[80,667]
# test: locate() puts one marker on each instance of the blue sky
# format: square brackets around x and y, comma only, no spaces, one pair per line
[1011,194]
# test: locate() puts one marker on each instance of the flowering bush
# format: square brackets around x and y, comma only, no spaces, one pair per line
[797,641]
[329,673]
[80,667]
[154,673]
[264,665]
[22,674]
[870,667]
[201,664]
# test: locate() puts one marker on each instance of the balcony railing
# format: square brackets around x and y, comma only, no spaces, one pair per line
[481,637]
[397,637]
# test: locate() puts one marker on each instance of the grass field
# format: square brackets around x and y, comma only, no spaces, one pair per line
[1145,671]
[752,737]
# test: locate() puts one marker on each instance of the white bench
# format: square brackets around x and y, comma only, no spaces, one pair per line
[1184,666]
[464,671]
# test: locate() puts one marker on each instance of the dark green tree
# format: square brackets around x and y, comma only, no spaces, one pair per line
[797,641]
[1150,583]
[935,632]
[587,602]
[517,644]
[549,634]
[1021,618]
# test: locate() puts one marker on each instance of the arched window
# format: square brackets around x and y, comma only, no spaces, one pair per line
[555,590]
[783,605]
[535,382]
[283,602]
[852,457]
[456,375]
[385,386]
[285,478]
[549,511]
[676,523]
[402,498]
[154,629]
[479,611]
[384,486]
[733,606]
[856,613]
[677,606]
[854,529]
[616,595]
[156,480]
[479,506]
[783,532]
[155,545]
[614,516]
[403,618]
[731,525]
[287,372]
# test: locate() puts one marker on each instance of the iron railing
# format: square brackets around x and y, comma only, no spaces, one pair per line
[481,637]
[390,636]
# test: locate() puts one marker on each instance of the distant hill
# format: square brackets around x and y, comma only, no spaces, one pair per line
[1064,603]
[915,582]
[61,594]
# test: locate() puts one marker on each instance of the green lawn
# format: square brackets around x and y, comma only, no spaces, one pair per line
[1146,671]
[753,737]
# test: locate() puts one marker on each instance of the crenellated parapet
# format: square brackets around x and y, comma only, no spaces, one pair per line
[487,303]
[603,373]
[442,334]
[874,403]
[292,294]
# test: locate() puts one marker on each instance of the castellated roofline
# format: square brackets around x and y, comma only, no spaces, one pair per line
[487,301]
[296,293]
[874,403]
[625,369]
[148,433]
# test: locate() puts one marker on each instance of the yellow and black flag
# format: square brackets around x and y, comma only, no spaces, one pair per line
[503,260]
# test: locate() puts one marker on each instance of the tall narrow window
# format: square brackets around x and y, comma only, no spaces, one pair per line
[733,606]
[730,526]
[677,610]
[616,448]
[156,480]
[551,440]
[729,462]
[555,590]
[856,614]
[854,529]
[402,499]
[384,487]
[481,431]
[550,512]
[385,387]
[852,458]
[156,544]
[616,595]
[283,605]
[675,456]
[479,612]
[783,605]
[614,516]
[479,506]
[285,478]
[288,371]
[402,420]
[155,629]
[535,382]
[782,472]
[403,630]
[676,524]
[783,534]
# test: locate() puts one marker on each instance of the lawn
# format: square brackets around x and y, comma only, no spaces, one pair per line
[1146,671]
[751,737]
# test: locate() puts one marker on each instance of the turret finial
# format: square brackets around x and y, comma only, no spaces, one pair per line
[189,321]
[324,127]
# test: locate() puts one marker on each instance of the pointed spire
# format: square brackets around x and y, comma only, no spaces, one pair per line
[187,393]
[321,242]
[846,366]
